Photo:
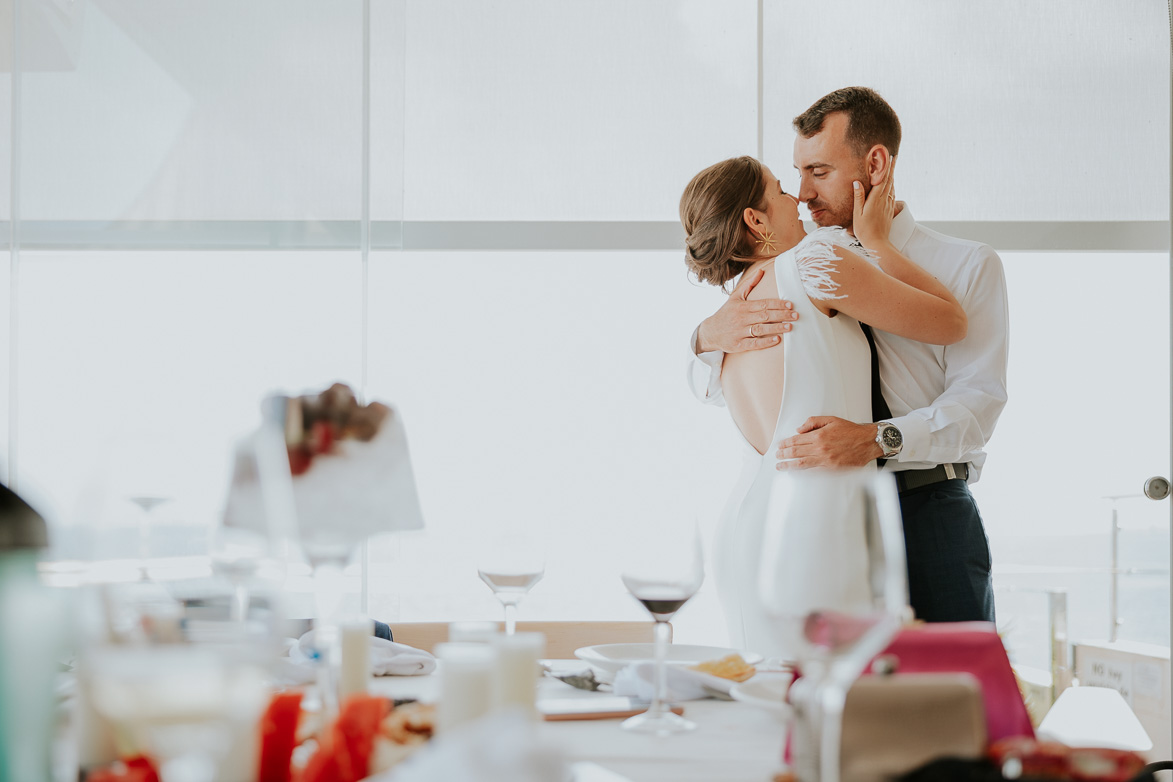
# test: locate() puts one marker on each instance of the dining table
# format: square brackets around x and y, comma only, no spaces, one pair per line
[734,741]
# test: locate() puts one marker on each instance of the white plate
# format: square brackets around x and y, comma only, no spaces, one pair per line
[610,658]
[766,691]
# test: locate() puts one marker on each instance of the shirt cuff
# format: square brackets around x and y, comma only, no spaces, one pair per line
[915,432]
[704,373]
[713,358]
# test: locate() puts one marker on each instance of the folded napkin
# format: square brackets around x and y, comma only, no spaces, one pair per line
[388,658]
[683,684]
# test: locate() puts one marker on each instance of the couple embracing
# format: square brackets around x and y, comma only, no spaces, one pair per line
[792,352]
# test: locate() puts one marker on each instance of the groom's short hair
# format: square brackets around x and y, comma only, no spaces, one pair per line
[870,120]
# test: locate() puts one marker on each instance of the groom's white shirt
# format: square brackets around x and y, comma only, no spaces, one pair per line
[945,400]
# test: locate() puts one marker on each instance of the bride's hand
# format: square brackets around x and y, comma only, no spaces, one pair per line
[872,217]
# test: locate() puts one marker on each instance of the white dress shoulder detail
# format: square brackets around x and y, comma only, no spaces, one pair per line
[815,258]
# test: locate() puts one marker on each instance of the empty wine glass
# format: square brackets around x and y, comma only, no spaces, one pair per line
[511,565]
[237,555]
[140,477]
[146,503]
[663,572]
[833,580]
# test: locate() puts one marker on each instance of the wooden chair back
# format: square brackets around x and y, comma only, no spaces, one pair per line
[562,638]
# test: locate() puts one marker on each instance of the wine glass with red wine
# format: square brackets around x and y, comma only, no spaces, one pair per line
[833,581]
[663,576]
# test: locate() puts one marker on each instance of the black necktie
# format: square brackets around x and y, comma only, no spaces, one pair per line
[880,410]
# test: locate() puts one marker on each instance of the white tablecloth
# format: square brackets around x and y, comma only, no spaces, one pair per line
[733,742]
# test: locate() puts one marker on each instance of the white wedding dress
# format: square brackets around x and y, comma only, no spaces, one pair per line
[827,371]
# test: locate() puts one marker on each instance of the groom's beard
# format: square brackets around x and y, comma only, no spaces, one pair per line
[839,212]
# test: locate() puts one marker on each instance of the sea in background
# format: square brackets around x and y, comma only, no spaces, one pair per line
[1027,567]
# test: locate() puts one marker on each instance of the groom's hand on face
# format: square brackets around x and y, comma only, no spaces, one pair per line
[742,325]
[827,441]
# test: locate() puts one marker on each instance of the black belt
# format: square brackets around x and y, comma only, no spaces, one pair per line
[907,480]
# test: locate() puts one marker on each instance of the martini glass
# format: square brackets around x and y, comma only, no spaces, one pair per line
[147,503]
[511,565]
[663,574]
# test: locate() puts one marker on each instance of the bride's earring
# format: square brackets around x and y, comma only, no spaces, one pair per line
[767,241]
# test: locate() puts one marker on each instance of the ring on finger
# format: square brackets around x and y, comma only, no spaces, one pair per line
[751,332]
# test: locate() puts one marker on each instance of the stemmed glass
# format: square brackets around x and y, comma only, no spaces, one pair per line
[663,575]
[146,503]
[237,555]
[511,565]
[143,472]
[833,580]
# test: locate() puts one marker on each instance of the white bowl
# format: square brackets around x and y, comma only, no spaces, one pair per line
[611,658]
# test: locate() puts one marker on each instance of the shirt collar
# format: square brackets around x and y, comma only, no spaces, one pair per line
[902,227]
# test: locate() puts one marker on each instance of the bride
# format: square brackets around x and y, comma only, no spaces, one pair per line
[741,224]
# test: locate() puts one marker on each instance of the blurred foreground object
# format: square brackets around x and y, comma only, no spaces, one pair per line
[328,473]
[348,474]
[893,724]
[1094,717]
[1031,759]
[30,644]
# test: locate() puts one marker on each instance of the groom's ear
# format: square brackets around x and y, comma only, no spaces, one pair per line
[877,161]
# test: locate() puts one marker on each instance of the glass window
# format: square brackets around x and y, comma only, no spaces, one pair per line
[1006,112]
[388,87]
[573,111]
[139,371]
[548,387]
[207,111]
[1087,419]
[539,400]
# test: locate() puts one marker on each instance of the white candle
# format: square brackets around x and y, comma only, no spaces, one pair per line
[355,669]
[466,683]
[515,681]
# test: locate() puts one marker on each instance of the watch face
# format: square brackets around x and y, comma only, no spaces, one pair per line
[892,438]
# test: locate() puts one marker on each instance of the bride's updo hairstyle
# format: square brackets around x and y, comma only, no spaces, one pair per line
[719,245]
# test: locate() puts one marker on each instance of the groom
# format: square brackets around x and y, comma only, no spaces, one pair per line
[943,401]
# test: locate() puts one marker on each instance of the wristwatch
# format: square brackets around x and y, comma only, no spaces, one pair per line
[889,439]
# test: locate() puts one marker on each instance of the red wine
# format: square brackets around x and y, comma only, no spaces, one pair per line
[662,608]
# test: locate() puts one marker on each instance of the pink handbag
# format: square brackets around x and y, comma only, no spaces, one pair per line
[973,648]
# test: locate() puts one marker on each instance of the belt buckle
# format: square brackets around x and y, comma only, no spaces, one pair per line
[950,473]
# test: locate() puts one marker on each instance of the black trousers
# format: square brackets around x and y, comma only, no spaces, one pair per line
[948,554]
